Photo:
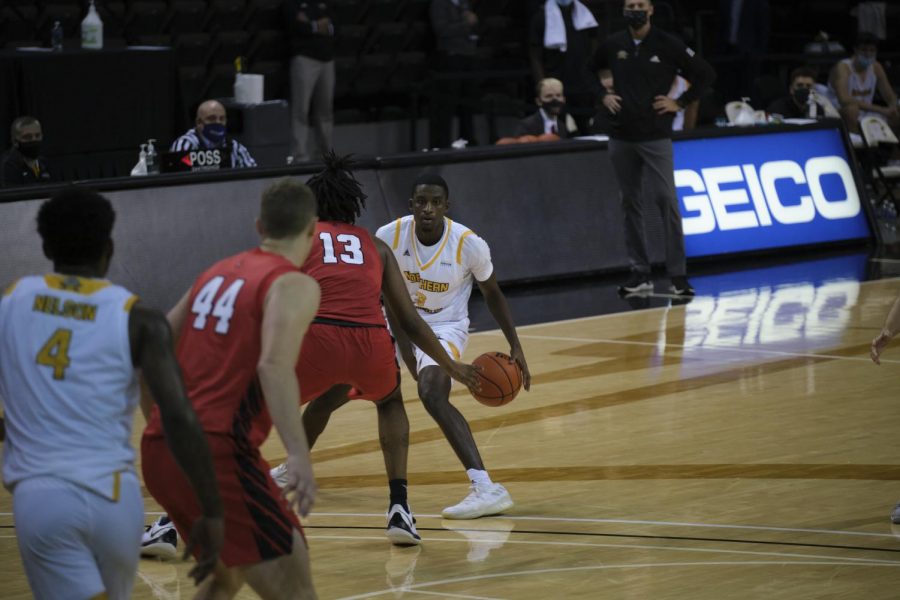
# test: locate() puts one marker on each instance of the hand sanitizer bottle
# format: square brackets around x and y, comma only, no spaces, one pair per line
[152,162]
[92,29]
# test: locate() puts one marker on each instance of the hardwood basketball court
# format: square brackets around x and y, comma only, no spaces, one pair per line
[740,446]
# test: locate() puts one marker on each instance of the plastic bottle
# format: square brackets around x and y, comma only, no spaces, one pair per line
[56,37]
[812,106]
[92,30]
[141,167]
[152,157]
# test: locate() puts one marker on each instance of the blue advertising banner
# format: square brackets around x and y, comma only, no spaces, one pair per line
[755,192]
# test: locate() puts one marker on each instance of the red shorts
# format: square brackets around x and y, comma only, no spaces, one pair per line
[259,524]
[359,356]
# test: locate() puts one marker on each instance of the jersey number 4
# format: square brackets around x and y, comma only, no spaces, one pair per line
[352,254]
[221,306]
[55,353]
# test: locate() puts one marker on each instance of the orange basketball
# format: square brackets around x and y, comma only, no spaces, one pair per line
[501,379]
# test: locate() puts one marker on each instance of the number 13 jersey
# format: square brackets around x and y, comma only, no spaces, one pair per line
[439,277]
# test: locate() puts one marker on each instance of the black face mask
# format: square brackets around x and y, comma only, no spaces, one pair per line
[801,96]
[29,150]
[553,104]
[636,18]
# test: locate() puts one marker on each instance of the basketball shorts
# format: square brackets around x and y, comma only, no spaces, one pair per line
[259,524]
[362,357]
[75,543]
[454,337]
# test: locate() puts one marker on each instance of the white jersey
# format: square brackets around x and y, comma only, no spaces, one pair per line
[861,85]
[67,381]
[439,278]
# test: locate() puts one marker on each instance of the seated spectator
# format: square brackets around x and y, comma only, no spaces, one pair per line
[796,104]
[854,81]
[210,132]
[686,118]
[551,116]
[22,163]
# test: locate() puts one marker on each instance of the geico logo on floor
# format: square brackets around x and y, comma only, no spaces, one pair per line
[763,191]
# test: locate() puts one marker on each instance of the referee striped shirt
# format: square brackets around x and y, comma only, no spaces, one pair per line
[240,156]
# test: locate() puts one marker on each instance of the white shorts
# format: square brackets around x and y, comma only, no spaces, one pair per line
[75,543]
[453,337]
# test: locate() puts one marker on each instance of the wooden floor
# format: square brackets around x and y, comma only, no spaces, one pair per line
[738,447]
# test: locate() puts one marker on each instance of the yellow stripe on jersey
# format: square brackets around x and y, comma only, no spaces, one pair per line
[11,287]
[129,304]
[117,486]
[447,225]
[453,350]
[397,234]
[72,283]
[459,248]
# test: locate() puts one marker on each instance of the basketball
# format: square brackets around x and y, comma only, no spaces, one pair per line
[501,379]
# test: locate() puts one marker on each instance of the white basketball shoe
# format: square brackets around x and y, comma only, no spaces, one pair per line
[483,500]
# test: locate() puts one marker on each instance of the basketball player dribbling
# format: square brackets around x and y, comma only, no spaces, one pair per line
[440,260]
[348,352]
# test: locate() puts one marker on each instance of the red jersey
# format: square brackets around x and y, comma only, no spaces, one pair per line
[347,266]
[220,344]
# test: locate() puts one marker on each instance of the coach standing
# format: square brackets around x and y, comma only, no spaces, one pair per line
[644,61]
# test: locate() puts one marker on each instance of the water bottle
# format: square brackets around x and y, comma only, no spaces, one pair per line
[56,37]
[92,29]
[812,106]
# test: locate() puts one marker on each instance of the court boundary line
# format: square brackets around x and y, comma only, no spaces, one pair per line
[415,587]
[637,522]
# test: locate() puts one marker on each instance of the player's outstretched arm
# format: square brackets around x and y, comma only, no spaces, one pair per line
[291,304]
[397,300]
[888,331]
[496,303]
[152,351]
[176,318]
[403,344]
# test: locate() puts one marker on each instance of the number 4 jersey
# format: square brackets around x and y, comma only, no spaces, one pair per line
[67,381]
[219,345]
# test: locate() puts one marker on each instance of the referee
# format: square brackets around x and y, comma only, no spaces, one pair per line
[644,61]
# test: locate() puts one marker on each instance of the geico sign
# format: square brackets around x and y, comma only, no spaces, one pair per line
[759,194]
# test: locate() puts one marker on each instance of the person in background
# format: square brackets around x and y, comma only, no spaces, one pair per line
[551,116]
[796,104]
[562,39]
[644,61]
[22,163]
[211,131]
[453,23]
[312,74]
[855,80]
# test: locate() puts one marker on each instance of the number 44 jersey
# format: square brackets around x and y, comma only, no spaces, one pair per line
[67,381]
[219,345]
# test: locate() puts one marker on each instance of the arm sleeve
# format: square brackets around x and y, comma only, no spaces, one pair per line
[476,257]
[693,68]
[243,158]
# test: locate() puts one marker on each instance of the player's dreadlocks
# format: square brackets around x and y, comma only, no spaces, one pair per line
[338,194]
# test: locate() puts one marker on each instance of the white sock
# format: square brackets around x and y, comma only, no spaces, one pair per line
[479,477]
